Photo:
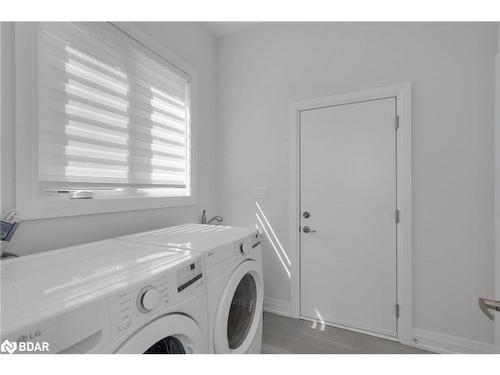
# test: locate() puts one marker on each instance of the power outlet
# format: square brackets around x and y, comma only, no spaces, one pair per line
[261,192]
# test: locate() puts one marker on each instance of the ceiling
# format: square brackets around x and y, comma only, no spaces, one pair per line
[225,28]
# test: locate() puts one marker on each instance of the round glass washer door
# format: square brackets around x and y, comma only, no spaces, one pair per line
[167,345]
[169,334]
[240,310]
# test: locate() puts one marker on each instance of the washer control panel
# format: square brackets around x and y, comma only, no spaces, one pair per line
[188,275]
[151,296]
[130,304]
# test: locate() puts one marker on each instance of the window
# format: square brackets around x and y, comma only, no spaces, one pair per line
[112,121]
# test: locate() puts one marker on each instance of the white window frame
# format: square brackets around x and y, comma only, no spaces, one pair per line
[28,199]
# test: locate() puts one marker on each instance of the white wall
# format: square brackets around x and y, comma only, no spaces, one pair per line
[192,43]
[264,68]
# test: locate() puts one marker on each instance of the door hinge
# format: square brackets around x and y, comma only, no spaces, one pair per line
[396,122]
[397,216]
[397,310]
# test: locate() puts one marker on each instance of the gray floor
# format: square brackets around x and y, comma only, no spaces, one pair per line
[282,335]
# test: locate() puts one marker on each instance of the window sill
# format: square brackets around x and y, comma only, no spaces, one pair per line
[40,209]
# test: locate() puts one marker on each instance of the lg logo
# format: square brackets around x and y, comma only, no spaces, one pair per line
[31,336]
[13,346]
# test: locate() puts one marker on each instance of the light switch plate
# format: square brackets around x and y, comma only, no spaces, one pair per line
[262,192]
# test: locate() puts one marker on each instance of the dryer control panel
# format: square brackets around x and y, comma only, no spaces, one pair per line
[247,245]
[256,239]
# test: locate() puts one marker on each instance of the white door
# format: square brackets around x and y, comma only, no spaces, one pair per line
[348,210]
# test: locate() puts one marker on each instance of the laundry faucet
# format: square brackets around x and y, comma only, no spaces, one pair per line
[204,220]
[218,219]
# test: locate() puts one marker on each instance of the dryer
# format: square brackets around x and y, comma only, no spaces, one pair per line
[106,297]
[232,259]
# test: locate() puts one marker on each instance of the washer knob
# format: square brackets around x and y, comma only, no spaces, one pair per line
[148,299]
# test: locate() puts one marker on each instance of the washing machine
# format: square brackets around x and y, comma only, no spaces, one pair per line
[232,258]
[105,297]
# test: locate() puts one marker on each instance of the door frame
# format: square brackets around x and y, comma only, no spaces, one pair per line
[404,170]
[496,290]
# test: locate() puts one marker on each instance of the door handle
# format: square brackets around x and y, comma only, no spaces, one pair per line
[306,229]
[486,304]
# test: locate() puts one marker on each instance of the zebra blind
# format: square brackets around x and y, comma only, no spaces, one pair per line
[112,115]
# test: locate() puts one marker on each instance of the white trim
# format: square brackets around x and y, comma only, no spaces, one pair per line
[277,306]
[28,201]
[441,343]
[404,188]
[1,127]
[497,192]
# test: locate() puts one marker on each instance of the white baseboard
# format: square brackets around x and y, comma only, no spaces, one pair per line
[440,343]
[277,306]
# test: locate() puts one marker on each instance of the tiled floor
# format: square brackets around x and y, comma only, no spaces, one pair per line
[282,335]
